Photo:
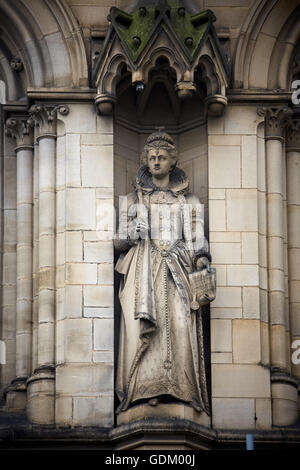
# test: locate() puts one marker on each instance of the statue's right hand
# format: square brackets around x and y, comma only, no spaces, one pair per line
[138,229]
[142,227]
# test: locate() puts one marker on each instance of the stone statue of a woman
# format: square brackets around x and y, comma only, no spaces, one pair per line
[161,354]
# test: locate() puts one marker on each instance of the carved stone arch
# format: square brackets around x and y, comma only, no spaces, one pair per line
[113,73]
[14,85]
[169,55]
[245,44]
[170,90]
[209,75]
[70,28]
[40,40]
[2,92]
[106,96]
[259,45]
[283,63]
[294,69]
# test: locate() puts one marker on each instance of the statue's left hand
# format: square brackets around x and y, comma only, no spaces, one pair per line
[202,263]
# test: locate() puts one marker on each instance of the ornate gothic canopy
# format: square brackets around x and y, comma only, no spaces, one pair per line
[164,29]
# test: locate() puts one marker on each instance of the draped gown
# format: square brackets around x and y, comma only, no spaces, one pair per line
[161,339]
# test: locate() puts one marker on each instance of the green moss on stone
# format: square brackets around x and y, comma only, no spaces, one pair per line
[186,26]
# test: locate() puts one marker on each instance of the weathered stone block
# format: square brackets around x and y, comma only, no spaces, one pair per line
[64,411]
[243,275]
[242,210]
[246,341]
[103,334]
[217,215]
[98,312]
[251,302]
[98,296]
[228,297]
[235,380]
[241,119]
[78,340]
[81,273]
[87,379]
[81,119]
[99,252]
[249,161]
[224,167]
[81,209]
[225,237]
[94,411]
[97,139]
[74,246]
[226,312]
[221,340]
[106,273]
[221,275]
[103,356]
[226,253]
[221,358]
[233,413]
[97,166]
[250,248]
[216,193]
[215,125]
[263,413]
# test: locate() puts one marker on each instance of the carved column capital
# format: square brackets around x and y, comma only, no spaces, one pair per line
[293,134]
[275,120]
[21,130]
[45,116]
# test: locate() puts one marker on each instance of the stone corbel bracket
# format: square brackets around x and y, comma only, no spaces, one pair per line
[136,41]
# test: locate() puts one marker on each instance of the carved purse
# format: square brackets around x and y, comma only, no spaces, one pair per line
[203,287]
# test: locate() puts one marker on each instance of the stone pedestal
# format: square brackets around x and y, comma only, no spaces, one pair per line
[41,389]
[163,411]
[16,396]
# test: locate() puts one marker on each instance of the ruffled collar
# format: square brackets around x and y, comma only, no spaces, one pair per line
[179,183]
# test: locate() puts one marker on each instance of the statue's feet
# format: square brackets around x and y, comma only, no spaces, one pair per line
[153,402]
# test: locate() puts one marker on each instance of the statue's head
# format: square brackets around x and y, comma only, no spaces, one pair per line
[160,142]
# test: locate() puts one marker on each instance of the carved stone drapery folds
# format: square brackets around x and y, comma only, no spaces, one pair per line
[139,39]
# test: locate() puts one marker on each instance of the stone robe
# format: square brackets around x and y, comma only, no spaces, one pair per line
[161,339]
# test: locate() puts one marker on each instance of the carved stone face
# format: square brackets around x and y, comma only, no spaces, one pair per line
[159,162]
[16,65]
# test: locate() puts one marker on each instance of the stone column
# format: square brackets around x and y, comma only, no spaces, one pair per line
[22,132]
[41,385]
[35,256]
[284,412]
[9,264]
[293,200]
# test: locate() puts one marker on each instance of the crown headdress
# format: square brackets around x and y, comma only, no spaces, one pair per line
[159,135]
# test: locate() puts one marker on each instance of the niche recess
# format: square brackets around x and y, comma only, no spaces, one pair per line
[136,115]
